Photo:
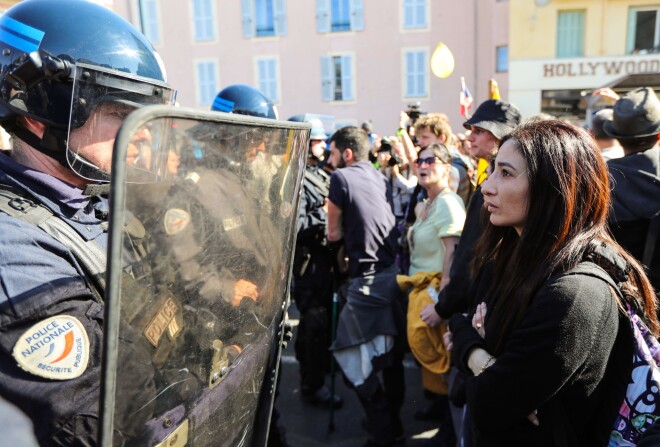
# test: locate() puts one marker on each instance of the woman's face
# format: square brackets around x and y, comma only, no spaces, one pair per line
[506,190]
[431,174]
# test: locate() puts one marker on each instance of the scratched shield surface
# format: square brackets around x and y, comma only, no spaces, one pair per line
[204,209]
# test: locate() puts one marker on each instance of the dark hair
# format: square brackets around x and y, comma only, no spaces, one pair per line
[440,151]
[639,144]
[354,138]
[569,200]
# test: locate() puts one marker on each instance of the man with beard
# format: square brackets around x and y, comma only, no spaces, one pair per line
[371,327]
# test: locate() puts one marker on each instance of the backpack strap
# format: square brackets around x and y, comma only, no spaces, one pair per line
[90,255]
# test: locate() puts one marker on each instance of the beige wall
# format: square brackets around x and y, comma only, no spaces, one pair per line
[471,36]
[534,67]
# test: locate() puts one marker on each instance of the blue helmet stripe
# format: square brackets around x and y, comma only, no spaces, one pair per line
[222,105]
[19,35]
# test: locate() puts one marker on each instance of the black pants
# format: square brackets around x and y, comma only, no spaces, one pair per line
[381,396]
[313,337]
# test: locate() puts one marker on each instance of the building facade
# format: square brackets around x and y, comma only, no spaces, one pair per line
[562,50]
[350,59]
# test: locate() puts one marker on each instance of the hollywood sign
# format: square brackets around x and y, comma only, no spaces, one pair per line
[600,68]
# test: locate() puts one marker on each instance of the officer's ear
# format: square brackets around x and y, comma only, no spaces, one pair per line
[36,127]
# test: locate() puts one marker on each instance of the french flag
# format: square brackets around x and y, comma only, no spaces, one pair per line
[465,100]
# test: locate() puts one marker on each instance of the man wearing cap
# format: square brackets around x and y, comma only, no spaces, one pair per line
[492,120]
[635,220]
[609,147]
[313,277]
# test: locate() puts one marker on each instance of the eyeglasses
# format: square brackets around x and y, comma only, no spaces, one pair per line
[428,160]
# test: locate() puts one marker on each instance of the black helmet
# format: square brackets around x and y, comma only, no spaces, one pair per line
[244,100]
[61,59]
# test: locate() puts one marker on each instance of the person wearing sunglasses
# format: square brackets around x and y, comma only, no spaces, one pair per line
[432,240]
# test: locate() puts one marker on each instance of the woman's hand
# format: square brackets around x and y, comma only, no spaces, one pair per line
[447,340]
[430,316]
[479,319]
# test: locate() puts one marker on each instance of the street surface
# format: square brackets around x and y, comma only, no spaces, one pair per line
[307,425]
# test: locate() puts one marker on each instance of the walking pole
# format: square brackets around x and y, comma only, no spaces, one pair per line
[335,307]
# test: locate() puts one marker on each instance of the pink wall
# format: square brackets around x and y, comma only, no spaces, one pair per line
[377,51]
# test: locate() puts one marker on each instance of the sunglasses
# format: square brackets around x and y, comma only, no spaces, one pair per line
[428,160]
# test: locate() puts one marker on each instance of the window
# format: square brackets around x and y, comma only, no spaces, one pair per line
[149,20]
[644,30]
[337,78]
[263,18]
[203,20]
[414,14]
[416,69]
[339,15]
[267,78]
[207,82]
[570,33]
[502,59]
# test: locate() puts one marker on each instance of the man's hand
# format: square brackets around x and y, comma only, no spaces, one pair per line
[244,289]
[607,93]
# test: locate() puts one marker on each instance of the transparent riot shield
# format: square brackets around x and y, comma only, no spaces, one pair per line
[199,266]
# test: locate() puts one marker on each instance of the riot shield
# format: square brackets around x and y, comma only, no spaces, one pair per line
[200,253]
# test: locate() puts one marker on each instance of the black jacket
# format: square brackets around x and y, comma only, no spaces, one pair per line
[636,200]
[569,358]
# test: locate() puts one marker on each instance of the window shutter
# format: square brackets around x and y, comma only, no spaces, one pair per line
[323,16]
[327,78]
[279,15]
[347,78]
[410,74]
[570,33]
[247,8]
[421,14]
[408,14]
[422,72]
[357,15]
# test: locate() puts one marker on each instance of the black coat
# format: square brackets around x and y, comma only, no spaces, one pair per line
[569,358]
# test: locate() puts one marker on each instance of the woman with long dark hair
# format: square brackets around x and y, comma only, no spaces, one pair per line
[549,352]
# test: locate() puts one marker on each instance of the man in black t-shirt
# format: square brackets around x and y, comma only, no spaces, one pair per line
[360,216]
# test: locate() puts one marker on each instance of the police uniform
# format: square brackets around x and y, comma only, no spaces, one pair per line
[313,283]
[51,319]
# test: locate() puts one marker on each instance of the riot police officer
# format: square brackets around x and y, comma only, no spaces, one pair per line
[313,276]
[65,88]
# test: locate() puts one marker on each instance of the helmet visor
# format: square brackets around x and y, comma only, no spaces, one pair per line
[100,102]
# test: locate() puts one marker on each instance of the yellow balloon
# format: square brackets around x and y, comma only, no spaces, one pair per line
[442,61]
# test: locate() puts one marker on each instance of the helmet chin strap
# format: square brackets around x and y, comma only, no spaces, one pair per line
[53,145]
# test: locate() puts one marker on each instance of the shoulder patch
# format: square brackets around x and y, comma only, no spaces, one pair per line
[56,348]
[176,220]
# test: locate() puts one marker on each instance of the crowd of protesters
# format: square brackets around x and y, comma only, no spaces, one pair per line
[524,292]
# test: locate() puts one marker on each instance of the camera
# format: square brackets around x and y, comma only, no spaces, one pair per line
[385,145]
[414,112]
[395,160]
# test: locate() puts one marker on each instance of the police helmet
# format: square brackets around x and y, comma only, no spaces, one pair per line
[244,100]
[59,60]
[318,131]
